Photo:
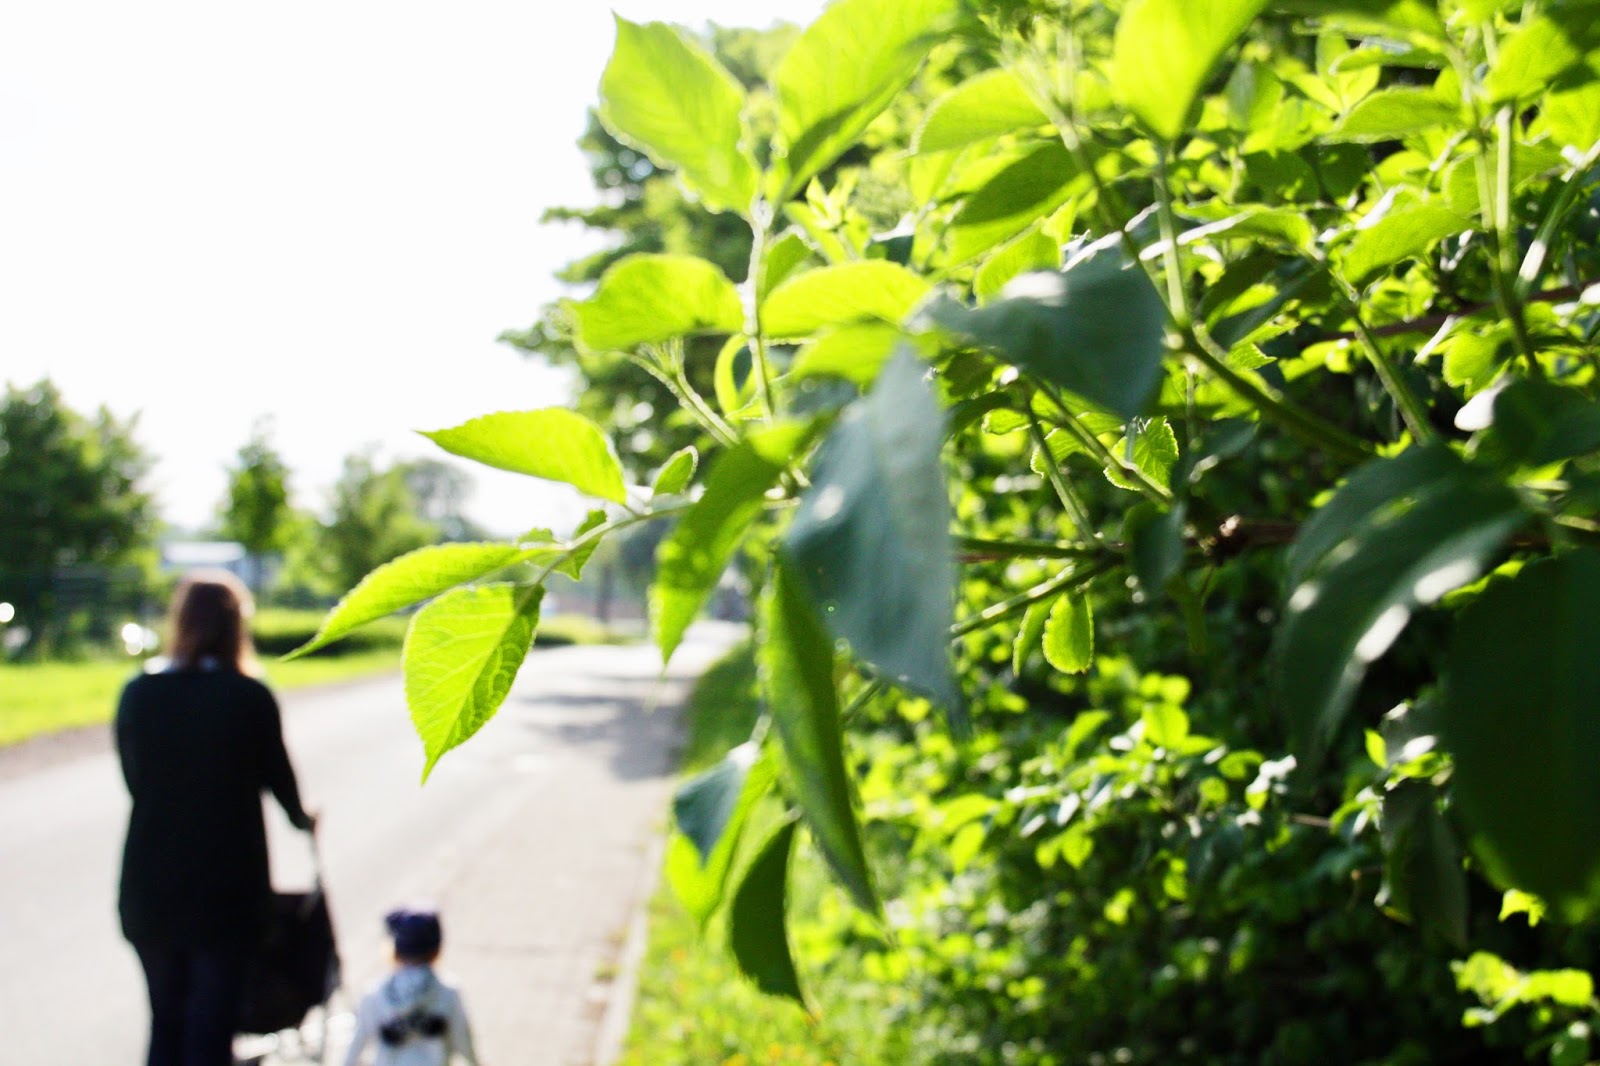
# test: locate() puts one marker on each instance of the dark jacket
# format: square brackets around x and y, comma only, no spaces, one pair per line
[198,748]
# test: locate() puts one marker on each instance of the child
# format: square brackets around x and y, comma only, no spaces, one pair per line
[414,1018]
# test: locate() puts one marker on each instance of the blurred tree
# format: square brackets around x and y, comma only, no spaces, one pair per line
[70,497]
[442,490]
[374,517]
[256,510]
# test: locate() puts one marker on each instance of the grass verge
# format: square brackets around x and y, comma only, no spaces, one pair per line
[40,698]
[692,1006]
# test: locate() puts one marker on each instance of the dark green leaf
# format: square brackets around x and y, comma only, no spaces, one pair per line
[1542,423]
[871,540]
[647,299]
[1165,49]
[1348,612]
[461,654]
[712,811]
[410,579]
[1096,329]
[693,556]
[663,94]
[982,107]
[757,924]
[1155,545]
[1423,877]
[797,662]
[1521,717]
[841,73]
[551,442]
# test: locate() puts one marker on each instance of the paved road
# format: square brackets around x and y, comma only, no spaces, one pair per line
[532,838]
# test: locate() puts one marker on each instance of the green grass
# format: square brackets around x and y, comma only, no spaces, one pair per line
[693,1007]
[40,698]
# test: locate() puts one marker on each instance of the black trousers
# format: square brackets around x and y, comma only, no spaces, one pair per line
[194,1002]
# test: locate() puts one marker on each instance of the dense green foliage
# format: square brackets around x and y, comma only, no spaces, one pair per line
[256,511]
[1176,527]
[76,524]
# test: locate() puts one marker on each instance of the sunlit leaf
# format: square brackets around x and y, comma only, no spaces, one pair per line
[1529,59]
[408,580]
[647,299]
[665,95]
[856,353]
[461,655]
[1400,234]
[676,472]
[552,443]
[1394,113]
[1165,49]
[712,811]
[797,661]
[841,73]
[1033,251]
[1069,634]
[1014,199]
[984,106]
[868,291]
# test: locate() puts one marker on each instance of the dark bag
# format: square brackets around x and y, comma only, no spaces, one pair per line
[296,966]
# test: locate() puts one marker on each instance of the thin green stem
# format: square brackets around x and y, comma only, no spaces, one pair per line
[1412,410]
[1504,282]
[1177,296]
[1052,472]
[1069,578]
[1155,493]
[1028,549]
[761,231]
[633,518]
[677,383]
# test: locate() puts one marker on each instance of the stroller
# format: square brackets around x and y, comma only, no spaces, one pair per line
[295,972]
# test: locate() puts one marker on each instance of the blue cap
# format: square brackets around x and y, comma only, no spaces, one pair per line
[415,930]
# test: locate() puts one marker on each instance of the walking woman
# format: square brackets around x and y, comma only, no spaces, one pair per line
[200,742]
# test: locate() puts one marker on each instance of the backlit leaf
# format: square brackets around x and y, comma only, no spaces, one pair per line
[1394,113]
[856,353]
[665,95]
[1403,233]
[646,299]
[711,811]
[984,106]
[676,472]
[1165,49]
[552,443]
[1069,634]
[1014,199]
[869,291]
[410,579]
[461,655]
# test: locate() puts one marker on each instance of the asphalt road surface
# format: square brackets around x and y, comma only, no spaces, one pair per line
[532,838]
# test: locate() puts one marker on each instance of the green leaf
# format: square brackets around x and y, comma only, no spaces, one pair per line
[1571,109]
[797,663]
[985,106]
[712,811]
[1394,113]
[1362,498]
[578,558]
[1165,726]
[786,255]
[1069,634]
[1014,199]
[871,540]
[1402,233]
[1521,692]
[1154,453]
[873,290]
[1423,877]
[757,930]
[676,473]
[1346,614]
[461,654]
[1096,328]
[693,556]
[841,73]
[1473,360]
[1540,422]
[412,578]
[663,94]
[1034,250]
[1166,49]
[733,378]
[1030,635]
[647,299]
[1155,545]
[856,353]
[1274,225]
[552,443]
[1416,21]
[1529,59]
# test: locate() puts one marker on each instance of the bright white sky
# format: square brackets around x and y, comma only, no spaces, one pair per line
[320,211]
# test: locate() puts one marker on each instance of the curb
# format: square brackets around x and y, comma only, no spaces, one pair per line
[624,987]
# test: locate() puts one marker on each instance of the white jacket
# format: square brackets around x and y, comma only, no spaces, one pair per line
[408,989]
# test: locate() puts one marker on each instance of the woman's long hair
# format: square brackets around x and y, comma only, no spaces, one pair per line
[210,619]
